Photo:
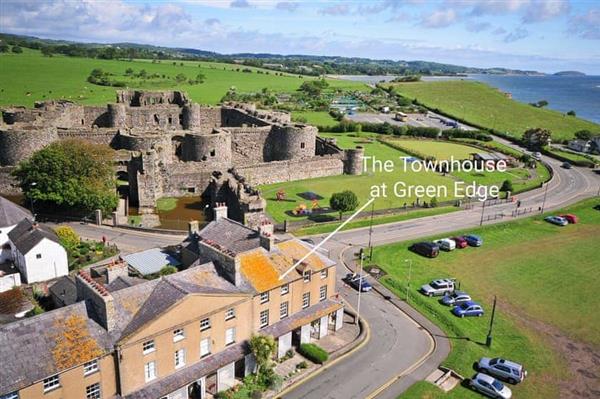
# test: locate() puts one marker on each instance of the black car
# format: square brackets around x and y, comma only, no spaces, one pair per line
[428,249]
[567,165]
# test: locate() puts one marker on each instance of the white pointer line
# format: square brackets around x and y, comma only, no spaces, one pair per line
[327,238]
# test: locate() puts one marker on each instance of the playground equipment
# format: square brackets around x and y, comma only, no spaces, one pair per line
[301,210]
[281,195]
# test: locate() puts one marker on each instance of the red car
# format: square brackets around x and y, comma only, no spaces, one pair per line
[460,242]
[572,219]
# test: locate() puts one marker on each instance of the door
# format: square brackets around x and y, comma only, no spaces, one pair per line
[195,390]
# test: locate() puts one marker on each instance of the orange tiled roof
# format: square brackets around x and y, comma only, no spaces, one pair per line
[258,269]
[295,250]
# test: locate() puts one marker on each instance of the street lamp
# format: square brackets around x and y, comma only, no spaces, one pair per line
[409,274]
[544,201]
[32,184]
[371,232]
[488,340]
[482,211]
[360,277]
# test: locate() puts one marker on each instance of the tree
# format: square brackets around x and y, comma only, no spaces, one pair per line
[346,201]
[537,138]
[506,186]
[67,236]
[47,51]
[571,113]
[70,173]
[200,78]
[434,202]
[129,71]
[262,348]
[17,50]
[4,48]
[180,78]
[584,135]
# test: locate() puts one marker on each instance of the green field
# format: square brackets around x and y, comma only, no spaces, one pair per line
[360,185]
[29,77]
[485,106]
[441,150]
[545,278]
[317,118]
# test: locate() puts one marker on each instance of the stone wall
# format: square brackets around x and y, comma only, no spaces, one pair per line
[97,136]
[17,144]
[213,150]
[250,145]
[8,184]
[292,142]
[280,171]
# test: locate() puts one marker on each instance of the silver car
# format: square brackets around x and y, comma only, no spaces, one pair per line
[503,369]
[489,386]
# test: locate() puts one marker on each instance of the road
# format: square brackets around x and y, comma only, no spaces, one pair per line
[398,343]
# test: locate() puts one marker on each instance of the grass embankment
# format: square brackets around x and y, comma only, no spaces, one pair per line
[541,273]
[29,77]
[360,185]
[485,106]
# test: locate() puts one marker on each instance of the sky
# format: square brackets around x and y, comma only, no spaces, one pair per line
[542,35]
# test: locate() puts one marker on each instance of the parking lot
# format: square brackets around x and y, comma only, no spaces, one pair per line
[430,119]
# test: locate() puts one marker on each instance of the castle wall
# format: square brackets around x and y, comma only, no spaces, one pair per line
[250,145]
[280,171]
[212,150]
[19,144]
[164,117]
[234,117]
[353,163]
[97,136]
[8,184]
[292,142]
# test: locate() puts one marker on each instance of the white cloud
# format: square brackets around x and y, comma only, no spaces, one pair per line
[336,10]
[543,10]
[439,19]
[517,34]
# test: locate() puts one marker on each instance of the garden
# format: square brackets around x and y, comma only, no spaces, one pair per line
[83,252]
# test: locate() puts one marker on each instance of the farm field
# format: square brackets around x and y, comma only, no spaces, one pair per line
[485,106]
[360,185]
[544,277]
[29,77]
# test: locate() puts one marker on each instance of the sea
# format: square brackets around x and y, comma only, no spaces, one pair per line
[563,93]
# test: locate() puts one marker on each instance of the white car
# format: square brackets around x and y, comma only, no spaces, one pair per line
[502,368]
[489,386]
[537,156]
[446,244]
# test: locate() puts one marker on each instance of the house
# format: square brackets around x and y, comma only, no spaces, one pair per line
[580,145]
[36,251]
[183,335]
[10,215]
[490,158]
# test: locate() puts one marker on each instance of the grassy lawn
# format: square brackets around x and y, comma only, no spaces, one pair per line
[315,118]
[485,106]
[540,272]
[522,179]
[360,185]
[441,150]
[323,228]
[28,77]
[166,204]
[573,157]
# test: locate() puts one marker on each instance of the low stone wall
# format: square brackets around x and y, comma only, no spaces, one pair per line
[280,171]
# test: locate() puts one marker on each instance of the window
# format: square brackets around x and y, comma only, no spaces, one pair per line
[264,297]
[306,276]
[302,145]
[148,347]
[285,289]
[90,367]
[178,335]
[305,300]
[323,293]
[150,371]
[38,256]
[179,358]
[324,273]
[283,310]
[230,336]
[204,324]
[93,391]
[12,395]
[205,347]
[264,318]
[230,314]
[51,383]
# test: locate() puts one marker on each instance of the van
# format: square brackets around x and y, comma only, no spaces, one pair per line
[572,219]
[427,249]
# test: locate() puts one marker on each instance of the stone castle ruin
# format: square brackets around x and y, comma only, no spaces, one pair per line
[170,146]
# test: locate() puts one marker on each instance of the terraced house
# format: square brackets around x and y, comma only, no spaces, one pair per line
[179,336]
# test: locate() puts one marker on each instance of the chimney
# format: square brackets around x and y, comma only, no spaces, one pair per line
[220,211]
[98,301]
[116,269]
[193,227]
[267,241]
[266,226]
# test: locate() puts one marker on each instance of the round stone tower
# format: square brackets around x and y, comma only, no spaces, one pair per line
[19,144]
[190,116]
[212,148]
[292,142]
[117,115]
[353,162]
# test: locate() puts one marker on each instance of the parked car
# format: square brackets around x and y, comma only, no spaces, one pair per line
[473,240]
[446,244]
[557,220]
[438,287]
[460,242]
[537,156]
[355,282]
[456,298]
[468,309]
[572,219]
[502,368]
[567,165]
[489,386]
[428,249]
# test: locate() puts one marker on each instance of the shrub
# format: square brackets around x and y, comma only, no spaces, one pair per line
[67,236]
[167,270]
[314,353]
[302,365]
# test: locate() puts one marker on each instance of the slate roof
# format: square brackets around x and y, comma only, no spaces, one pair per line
[123,282]
[27,234]
[26,346]
[64,290]
[11,213]
[151,260]
[231,235]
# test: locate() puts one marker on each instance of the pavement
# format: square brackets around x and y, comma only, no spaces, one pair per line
[404,346]
[431,119]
